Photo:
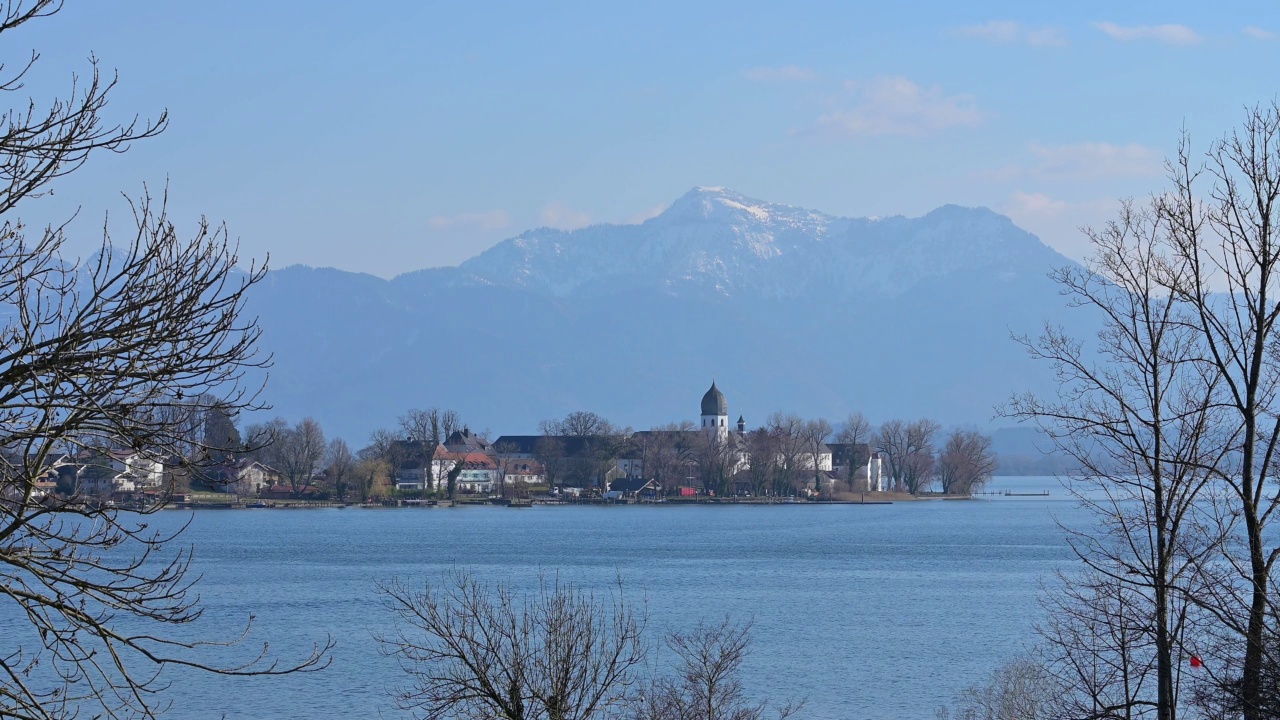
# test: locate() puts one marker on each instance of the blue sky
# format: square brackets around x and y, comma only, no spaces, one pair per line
[420,134]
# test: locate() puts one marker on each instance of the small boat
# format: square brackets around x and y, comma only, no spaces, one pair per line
[520,503]
[258,504]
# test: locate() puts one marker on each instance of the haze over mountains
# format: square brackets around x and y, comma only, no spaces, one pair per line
[788,309]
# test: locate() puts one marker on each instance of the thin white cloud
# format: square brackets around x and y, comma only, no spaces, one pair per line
[652,212]
[1008,32]
[898,106]
[489,220]
[1036,204]
[1169,34]
[1047,37]
[1059,222]
[558,215]
[1092,160]
[1080,161]
[1258,33]
[785,73]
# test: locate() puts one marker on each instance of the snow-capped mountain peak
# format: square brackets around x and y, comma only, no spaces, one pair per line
[722,205]
[719,240]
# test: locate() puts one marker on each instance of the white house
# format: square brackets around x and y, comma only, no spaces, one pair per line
[478,474]
[133,471]
[243,477]
[525,471]
[103,473]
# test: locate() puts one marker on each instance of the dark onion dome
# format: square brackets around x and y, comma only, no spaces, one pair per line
[713,403]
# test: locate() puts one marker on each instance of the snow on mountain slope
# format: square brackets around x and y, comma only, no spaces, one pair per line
[790,309]
[721,241]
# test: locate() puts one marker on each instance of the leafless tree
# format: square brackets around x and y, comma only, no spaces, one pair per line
[429,429]
[1147,419]
[670,454]
[1020,689]
[598,458]
[908,451]
[388,447]
[339,465]
[481,650]
[966,462]
[715,460]
[116,351]
[1220,696]
[300,454]
[579,424]
[855,431]
[550,453]
[260,441]
[504,454]
[595,451]
[1222,214]
[891,442]
[707,682]
[1100,650]
[762,456]
[785,431]
[814,435]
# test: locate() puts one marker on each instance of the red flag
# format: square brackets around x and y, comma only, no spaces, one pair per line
[1195,662]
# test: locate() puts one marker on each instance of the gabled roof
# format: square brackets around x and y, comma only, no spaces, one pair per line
[465,440]
[631,484]
[236,468]
[523,466]
[470,460]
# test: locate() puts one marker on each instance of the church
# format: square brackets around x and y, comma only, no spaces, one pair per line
[835,459]
[715,414]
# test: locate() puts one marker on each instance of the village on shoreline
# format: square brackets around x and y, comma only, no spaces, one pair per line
[435,461]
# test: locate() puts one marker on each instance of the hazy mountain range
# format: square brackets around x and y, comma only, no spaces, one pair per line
[788,309]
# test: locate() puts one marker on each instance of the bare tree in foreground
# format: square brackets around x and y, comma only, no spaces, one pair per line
[1018,690]
[1226,230]
[113,352]
[707,683]
[477,650]
[1144,424]
[1182,421]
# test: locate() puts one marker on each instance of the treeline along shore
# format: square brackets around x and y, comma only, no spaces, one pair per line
[432,457]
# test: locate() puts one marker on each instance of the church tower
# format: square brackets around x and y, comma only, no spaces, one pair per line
[715,413]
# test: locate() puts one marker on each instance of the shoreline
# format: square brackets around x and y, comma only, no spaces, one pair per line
[869,499]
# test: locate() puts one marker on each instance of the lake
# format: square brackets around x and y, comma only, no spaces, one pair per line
[874,612]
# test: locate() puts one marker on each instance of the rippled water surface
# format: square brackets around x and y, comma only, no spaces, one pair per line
[878,612]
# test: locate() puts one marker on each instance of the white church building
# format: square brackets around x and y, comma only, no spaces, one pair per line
[715,420]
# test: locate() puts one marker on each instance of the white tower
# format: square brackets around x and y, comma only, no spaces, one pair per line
[715,413]
[875,473]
